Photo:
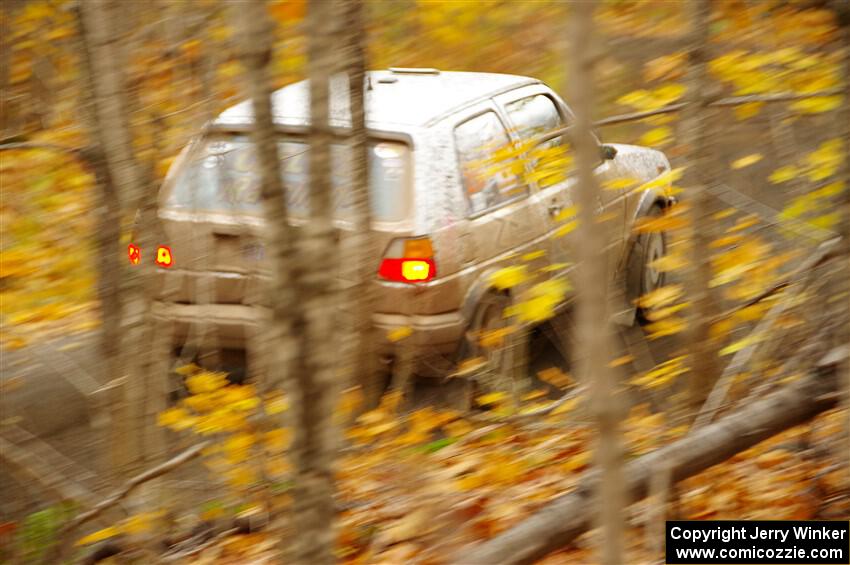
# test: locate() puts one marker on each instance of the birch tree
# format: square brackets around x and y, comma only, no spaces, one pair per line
[592,294]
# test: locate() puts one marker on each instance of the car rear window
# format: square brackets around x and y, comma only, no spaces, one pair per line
[223,176]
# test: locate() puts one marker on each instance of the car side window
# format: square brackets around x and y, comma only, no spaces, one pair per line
[534,115]
[487,164]
[550,161]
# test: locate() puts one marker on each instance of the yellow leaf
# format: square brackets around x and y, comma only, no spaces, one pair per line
[746,161]
[827,221]
[783,174]
[240,477]
[668,263]
[206,381]
[533,255]
[391,400]
[620,361]
[740,344]
[509,277]
[189,369]
[470,482]
[458,428]
[657,136]
[566,228]
[492,398]
[276,404]
[723,214]
[619,184]
[175,418]
[748,110]
[495,338]
[640,99]
[398,334]
[744,223]
[555,377]
[534,395]
[660,296]
[566,213]
[668,326]
[140,523]
[350,401]
[566,406]
[669,93]
[662,374]
[817,105]
[554,267]
[99,535]
[666,222]
[278,439]
[468,366]
[661,313]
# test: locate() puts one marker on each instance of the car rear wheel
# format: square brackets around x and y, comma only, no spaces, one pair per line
[497,370]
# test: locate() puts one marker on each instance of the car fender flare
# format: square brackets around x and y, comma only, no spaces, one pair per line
[476,292]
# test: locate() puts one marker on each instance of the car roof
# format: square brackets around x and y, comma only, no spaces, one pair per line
[395,97]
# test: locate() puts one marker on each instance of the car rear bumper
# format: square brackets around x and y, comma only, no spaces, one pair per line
[435,338]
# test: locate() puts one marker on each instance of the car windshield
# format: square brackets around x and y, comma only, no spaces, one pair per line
[223,176]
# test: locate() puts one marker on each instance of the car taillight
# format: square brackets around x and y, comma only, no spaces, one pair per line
[409,260]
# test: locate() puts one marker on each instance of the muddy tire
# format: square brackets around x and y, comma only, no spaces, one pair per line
[642,277]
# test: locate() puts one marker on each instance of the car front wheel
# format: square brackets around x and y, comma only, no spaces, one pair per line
[644,275]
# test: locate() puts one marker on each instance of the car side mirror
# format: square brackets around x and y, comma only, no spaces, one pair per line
[607,152]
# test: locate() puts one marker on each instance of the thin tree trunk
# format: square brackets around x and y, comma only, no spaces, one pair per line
[592,308]
[104,119]
[360,299]
[316,281]
[697,121]
[114,107]
[304,278]
[256,51]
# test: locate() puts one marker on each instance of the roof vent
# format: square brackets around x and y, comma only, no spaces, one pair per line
[413,71]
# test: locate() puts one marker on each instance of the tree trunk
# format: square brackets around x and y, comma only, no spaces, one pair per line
[360,299]
[256,51]
[137,187]
[304,277]
[107,135]
[316,281]
[561,521]
[592,307]
[697,119]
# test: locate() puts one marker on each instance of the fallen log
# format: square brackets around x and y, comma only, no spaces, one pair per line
[562,520]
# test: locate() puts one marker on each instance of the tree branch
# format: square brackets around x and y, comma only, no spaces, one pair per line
[29,145]
[135,482]
[722,103]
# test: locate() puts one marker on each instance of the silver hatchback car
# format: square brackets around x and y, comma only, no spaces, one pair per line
[443,219]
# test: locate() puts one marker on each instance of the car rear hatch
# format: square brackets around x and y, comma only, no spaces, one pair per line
[213,217]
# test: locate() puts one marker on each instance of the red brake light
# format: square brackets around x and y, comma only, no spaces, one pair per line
[409,261]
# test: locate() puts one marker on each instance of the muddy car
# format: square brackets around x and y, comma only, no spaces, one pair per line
[443,220]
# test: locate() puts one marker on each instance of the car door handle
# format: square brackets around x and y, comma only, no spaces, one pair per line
[555,209]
